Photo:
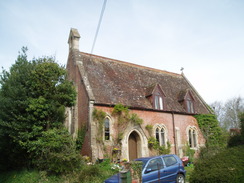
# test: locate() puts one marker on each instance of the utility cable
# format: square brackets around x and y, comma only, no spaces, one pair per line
[99,23]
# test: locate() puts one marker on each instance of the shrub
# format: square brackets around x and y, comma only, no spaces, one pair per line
[225,166]
[189,152]
[97,173]
[55,152]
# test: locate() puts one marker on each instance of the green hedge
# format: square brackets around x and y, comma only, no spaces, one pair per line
[226,166]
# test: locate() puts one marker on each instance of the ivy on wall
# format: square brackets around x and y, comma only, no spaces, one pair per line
[99,116]
[212,132]
[154,144]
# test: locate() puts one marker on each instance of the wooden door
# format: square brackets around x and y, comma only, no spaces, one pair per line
[133,146]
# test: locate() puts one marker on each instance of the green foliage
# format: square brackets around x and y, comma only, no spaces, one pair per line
[211,130]
[99,116]
[154,144]
[238,139]
[136,167]
[149,129]
[124,116]
[119,108]
[120,137]
[89,174]
[29,176]
[134,118]
[55,152]
[163,149]
[97,173]
[225,166]
[80,138]
[189,152]
[33,96]
[189,169]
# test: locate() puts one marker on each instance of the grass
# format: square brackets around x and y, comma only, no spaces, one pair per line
[88,174]
[28,176]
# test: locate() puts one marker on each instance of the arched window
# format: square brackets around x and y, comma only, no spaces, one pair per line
[190,141]
[160,136]
[157,134]
[107,129]
[192,137]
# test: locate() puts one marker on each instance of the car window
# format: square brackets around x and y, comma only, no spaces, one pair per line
[169,160]
[155,164]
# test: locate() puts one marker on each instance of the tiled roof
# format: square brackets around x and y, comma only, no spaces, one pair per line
[113,81]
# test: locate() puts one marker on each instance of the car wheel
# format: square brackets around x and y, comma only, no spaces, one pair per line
[180,178]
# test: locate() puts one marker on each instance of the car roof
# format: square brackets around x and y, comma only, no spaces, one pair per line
[150,157]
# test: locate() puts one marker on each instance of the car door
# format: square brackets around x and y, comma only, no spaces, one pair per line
[152,171]
[171,168]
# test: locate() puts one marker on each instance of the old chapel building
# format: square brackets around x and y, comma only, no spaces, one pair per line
[161,105]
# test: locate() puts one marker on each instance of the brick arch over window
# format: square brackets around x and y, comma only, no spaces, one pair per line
[192,136]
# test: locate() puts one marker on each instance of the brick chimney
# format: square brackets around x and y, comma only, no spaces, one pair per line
[74,38]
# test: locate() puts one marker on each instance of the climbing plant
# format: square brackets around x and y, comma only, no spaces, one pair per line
[135,119]
[149,129]
[154,144]
[211,130]
[124,116]
[80,138]
[99,116]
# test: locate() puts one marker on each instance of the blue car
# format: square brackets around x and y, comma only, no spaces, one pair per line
[164,169]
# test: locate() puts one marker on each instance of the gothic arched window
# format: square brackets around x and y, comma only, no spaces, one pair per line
[107,129]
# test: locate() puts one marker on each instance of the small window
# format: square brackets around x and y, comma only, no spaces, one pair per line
[157,134]
[189,102]
[106,129]
[189,106]
[162,135]
[170,160]
[192,138]
[158,101]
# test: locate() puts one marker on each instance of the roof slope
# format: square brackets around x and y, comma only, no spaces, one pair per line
[114,82]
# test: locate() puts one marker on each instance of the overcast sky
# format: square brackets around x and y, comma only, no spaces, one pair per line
[205,37]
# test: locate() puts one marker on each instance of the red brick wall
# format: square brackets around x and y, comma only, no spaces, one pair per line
[82,101]
[181,122]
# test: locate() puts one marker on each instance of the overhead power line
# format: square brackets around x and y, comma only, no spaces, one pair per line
[98,26]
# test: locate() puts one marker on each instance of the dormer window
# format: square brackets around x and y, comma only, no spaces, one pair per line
[189,103]
[157,97]
[187,100]
[158,101]
[189,106]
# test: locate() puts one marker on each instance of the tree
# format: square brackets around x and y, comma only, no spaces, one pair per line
[33,97]
[228,112]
